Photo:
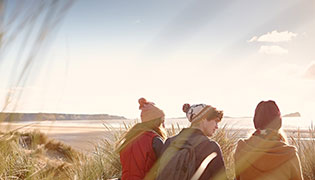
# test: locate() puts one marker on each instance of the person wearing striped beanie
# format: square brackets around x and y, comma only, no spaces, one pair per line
[203,117]
[204,121]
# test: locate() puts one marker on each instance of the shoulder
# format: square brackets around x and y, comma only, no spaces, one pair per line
[288,149]
[158,140]
[147,136]
[240,147]
[208,145]
[170,139]
[292,151]
[150,133]
[240,143]
[212,145]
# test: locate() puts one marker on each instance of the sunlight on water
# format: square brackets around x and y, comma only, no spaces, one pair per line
[287,123]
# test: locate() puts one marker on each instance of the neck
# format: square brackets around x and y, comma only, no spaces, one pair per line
[195,126]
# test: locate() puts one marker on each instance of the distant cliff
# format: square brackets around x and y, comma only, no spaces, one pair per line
[8,117]
[296,114]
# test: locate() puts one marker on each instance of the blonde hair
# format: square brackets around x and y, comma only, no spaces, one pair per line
[272,133]
[153,125]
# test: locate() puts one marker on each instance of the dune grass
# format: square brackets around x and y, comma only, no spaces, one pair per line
[32,155]
[306,151]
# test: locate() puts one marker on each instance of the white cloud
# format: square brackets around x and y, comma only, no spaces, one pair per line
[273,50]
[253,39]
[310,72]
[274,36]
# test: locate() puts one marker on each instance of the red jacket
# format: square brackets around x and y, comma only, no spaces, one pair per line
[138,157]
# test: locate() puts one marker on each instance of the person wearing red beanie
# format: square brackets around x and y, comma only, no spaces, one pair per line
[140,147]
[267,116]
[266,155]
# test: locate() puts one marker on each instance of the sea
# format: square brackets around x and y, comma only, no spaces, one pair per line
[237,123]
[244,126]
[79,132]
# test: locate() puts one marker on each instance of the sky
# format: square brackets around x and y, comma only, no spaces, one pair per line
[105,55]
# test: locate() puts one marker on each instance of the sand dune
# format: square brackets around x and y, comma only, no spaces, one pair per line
[82,138]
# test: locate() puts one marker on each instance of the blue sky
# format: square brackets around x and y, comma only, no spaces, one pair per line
[229,54]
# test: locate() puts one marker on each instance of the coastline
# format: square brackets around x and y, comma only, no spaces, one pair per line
[84,136]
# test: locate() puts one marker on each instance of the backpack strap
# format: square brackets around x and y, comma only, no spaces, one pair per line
[203,166]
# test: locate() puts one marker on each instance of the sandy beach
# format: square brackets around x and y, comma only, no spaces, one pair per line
[82,138]
[83,135]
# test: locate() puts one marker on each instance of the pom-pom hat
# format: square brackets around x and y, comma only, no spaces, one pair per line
[197,112]
[149,111]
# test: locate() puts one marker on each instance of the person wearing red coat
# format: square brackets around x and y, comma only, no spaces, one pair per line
[141,146]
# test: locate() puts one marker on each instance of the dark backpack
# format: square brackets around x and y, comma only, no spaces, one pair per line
[178,161]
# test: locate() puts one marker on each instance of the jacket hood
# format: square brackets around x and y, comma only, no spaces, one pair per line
[263,154]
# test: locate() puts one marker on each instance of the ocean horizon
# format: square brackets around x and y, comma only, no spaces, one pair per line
[288,123]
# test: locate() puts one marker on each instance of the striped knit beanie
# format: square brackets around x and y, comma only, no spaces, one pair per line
[196,112]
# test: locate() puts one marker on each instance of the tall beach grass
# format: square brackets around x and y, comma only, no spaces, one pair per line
[33,155]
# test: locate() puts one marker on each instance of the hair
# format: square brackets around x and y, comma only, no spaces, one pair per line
[214,113]
[153,125]
[279,135]
[211,114]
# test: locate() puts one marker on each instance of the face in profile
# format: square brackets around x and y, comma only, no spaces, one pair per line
[208,127]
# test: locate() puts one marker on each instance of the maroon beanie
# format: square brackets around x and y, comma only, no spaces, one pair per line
[267,115]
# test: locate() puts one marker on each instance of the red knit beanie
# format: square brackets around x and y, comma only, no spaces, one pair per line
[267,115]
[149,111]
